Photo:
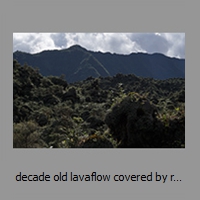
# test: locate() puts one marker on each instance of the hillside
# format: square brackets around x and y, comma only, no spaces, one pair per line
[123,111]
[77,63]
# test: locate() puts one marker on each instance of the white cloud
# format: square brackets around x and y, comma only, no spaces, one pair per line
[151,42]
[177,42]
[59,39]
[170,44]
[32,42]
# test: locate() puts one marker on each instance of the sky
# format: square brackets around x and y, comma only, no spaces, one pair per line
[169,44]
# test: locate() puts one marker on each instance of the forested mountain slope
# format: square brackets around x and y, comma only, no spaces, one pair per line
[77,63]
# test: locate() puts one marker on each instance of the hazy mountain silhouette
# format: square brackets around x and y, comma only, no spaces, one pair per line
[78,63]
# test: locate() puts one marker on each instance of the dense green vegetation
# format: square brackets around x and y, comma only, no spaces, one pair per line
[124,111]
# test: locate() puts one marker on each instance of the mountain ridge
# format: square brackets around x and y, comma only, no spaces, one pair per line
[78,63]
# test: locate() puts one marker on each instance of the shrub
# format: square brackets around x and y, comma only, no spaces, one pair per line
[27,135]
[134,124]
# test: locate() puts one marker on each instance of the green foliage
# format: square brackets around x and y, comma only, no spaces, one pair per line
[95,140]
[134,124]
[27,135]
[78,120]
[49,112]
